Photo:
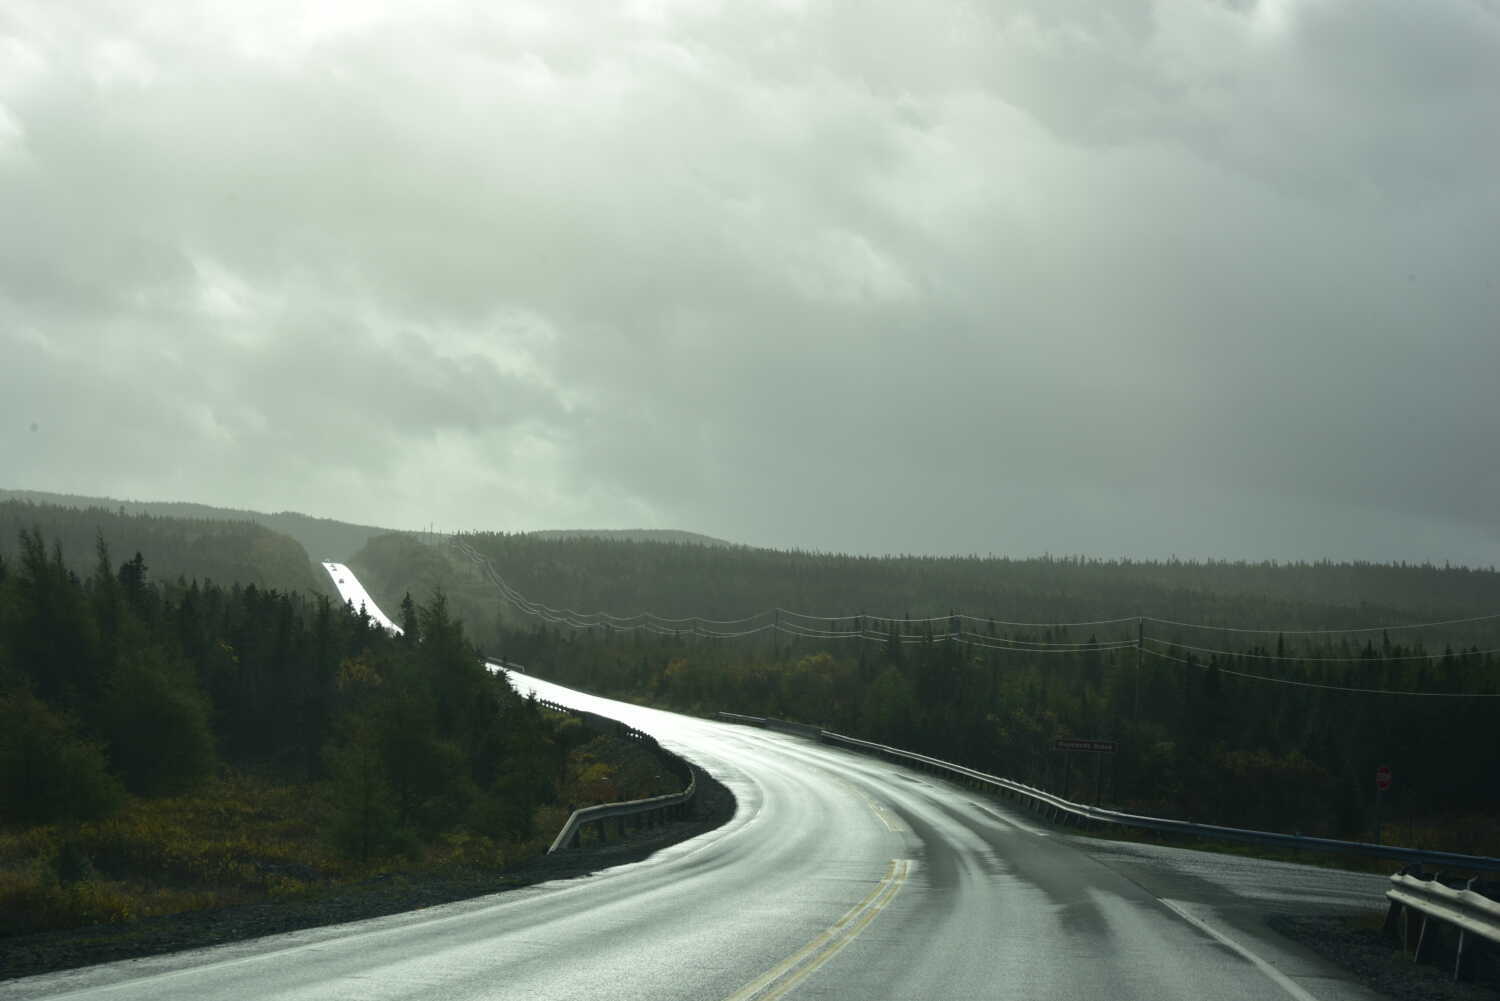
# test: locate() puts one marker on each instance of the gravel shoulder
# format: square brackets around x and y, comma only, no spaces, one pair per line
[1360,948]
[46,952]
[1349,943]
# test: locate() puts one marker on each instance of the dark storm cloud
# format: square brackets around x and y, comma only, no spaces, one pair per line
[1139,278]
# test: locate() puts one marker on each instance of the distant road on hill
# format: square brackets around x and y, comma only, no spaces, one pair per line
[633,535]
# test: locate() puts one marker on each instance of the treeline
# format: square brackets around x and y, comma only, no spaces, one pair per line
[322,538]
[1197,738]
[683,580]
[116,684]
[1194,739]
[191,549]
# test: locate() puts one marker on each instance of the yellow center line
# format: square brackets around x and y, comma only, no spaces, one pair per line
[805,961]
[890,873]
[836,947]
[891,823]
[781,968]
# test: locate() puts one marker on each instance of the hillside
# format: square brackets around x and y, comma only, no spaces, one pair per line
[670,535]
[323,538]
[391,566]
[226,552]
[674,580]
[1214,720]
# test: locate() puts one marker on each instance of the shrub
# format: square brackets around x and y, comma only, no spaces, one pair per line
[47,771]
[159,734]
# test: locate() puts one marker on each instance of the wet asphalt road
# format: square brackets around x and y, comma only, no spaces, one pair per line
[354,593]
[839,877]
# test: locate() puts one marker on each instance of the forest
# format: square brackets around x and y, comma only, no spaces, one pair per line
[201,549]
[1275,728]
[171,743]
[322,538]
[684,580]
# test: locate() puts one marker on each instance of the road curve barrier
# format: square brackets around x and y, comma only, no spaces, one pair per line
[1430,919]
[1061,811]
[654,811]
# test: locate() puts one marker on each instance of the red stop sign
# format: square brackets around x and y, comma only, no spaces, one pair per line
[1382,777]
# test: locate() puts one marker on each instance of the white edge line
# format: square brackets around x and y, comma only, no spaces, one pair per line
[1281,980]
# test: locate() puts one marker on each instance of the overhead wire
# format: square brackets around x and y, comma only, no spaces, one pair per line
[670,626]
[1323,632]
[1317,660]
[1318,685]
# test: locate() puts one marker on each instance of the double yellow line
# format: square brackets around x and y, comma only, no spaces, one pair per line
[787,974]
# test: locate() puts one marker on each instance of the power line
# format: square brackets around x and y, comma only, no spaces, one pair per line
[1328,688]
[649,622]
[1318,660]
[1324,632]
[654,623]
[1050,625]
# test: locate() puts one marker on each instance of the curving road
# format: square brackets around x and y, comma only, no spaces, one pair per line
[840,876]
[355,595]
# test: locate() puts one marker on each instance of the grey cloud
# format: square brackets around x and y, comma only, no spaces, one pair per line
[1019,277]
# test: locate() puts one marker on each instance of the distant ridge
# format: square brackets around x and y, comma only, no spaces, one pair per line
[323,538]
[634,535]
[221,550]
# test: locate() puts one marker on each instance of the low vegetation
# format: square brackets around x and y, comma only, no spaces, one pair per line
[1280,731]
[168,746]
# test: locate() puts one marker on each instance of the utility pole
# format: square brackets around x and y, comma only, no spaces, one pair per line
[1140,636]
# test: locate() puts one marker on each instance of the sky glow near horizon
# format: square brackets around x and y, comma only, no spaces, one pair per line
[1213,279]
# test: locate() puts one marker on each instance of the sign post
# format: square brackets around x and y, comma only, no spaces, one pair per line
[1070,744]
[1382,783]
[1075,744]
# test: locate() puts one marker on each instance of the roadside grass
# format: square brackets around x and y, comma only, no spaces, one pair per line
[244,839]
[238,839]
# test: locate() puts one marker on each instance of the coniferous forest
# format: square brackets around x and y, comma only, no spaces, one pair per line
[174,744]
[1254,695]
[193,730]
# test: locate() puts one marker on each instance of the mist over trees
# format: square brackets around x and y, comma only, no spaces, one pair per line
[322,538]
[115,683]
[684,580]
[224,551]
[1259,729]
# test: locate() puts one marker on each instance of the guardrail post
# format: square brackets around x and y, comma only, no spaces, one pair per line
[1392,913]
[1423,942]
[1465,957]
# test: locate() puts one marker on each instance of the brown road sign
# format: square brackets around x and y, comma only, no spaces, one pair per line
[1076,744]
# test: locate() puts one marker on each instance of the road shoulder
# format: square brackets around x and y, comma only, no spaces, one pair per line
[47,952]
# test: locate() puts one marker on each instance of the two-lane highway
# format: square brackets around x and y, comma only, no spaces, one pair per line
[355,595]
[840,876]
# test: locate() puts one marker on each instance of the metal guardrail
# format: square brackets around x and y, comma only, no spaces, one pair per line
[492,663]
[1059,810]
[653,811]
[737,718]
[1427,904]
[656,811]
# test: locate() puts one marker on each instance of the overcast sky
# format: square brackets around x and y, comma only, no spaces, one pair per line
[1208,278]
